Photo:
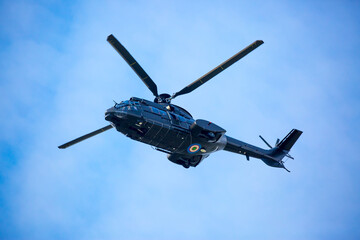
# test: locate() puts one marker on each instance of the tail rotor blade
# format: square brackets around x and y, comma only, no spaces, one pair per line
[265,141]
[82,138]
[192,86]
[133,64]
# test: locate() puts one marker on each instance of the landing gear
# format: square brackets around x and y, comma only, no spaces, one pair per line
[186,164]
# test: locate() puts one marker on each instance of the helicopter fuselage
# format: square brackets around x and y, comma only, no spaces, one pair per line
[168,128]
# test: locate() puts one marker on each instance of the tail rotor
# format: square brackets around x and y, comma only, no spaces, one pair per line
[276,144]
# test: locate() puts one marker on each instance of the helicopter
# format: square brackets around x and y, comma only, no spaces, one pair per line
[171,129]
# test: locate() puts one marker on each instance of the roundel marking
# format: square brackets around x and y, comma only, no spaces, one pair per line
[193,148]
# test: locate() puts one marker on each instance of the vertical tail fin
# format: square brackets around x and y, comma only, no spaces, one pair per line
[289,141]
[282,149]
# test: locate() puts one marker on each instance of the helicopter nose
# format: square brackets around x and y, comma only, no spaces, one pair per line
[113,114]
[110,114]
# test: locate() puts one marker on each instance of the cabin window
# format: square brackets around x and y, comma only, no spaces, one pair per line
[163,113]
[155,110]
[182,119]
[158,111]
[175,117]
[190,121]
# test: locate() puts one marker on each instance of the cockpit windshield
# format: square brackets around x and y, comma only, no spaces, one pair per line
[127,106]
[122,104]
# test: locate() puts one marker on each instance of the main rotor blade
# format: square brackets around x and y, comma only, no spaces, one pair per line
[219,69]
[133,64]
[89,135]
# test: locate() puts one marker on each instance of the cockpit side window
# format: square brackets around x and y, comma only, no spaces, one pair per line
[128,105]
[122,104]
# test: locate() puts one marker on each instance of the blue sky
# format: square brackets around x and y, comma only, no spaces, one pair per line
[58,75]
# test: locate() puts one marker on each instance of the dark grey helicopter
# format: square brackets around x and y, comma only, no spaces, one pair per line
[172,130]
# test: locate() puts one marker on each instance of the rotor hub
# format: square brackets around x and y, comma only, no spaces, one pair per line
[163,98]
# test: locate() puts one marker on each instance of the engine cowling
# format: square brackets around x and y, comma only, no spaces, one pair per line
[208,130]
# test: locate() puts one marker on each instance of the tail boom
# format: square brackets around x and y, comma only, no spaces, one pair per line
[272,157]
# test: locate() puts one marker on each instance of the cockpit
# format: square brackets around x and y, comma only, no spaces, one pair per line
[127,106]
